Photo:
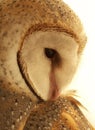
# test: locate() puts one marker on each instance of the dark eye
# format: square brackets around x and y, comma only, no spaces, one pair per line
[50,53]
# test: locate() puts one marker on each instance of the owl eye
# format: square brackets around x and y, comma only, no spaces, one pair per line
[50,53]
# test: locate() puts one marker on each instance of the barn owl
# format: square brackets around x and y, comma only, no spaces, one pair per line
[40,47]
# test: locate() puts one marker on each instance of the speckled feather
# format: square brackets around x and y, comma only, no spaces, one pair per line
[63,114]
[14,109]
[19,112]
[19,108]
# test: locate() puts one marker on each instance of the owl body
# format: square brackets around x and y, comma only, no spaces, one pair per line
[40,47]
[19,112]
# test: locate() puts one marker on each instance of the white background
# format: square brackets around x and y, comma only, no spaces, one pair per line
[84,80]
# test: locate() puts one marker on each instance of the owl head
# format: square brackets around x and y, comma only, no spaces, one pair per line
[50,51]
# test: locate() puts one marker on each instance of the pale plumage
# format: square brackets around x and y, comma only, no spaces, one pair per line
[40,47]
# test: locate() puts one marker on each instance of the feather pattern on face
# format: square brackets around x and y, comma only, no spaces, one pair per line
[40,47]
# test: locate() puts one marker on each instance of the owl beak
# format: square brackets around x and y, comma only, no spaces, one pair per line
[54,90]
[54,93]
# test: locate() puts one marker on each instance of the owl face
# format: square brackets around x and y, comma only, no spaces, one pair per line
[48,61]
